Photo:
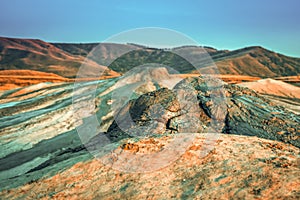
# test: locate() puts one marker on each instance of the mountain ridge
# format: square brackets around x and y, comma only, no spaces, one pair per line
[65,59]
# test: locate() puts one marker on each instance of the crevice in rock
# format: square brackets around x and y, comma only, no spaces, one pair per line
[168,125]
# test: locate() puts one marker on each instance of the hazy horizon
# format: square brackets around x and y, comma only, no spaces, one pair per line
[150,46]
[222,25]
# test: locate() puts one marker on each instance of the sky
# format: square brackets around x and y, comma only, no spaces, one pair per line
[223,24]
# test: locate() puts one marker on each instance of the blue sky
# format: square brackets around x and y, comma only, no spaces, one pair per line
[223,24]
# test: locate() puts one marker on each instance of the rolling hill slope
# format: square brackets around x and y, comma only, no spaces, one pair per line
[256,61]
[30,54]
[249,61]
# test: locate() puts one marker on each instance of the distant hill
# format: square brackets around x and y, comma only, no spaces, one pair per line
[76,49]
[65,59]
[256,61]
[31,54]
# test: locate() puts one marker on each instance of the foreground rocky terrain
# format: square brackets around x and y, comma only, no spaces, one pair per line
[49,148]
[238,167]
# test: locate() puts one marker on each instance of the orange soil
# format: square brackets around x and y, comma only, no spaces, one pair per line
[289,79]
[11,79]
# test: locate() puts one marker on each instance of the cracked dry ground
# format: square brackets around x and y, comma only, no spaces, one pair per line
[239,167]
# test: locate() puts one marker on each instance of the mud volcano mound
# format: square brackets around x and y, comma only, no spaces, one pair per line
[192,106]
